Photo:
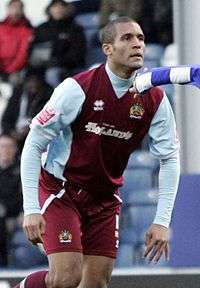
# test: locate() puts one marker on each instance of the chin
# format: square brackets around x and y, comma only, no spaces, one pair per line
[136,66]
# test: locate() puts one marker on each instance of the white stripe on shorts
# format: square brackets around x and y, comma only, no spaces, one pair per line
[117,222]
[118,198]
[50,199]
[22,284]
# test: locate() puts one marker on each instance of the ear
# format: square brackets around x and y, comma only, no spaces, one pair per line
[107,49]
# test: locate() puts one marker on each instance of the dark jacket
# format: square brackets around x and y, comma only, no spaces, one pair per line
[35,104]
[66,40]
[10,190]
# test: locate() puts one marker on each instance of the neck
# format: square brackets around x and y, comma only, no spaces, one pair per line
[122,71]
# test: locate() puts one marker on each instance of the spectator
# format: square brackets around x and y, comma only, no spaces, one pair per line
[163,21]
[156,22]
[59,46]
[111,9]
[86,6]
[26,101]
[10,191]
[15,36]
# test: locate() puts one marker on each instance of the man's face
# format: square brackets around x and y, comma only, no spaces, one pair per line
[8,150]
[15,10]
[59,11]
[128,47]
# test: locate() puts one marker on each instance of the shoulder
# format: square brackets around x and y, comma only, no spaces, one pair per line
[67,92]
[89,77]
[156,94]
[77,26]
[42,26]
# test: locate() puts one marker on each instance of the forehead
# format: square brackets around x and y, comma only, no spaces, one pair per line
[15,5]
[126,28]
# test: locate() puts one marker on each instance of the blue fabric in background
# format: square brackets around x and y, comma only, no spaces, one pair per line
[185,249]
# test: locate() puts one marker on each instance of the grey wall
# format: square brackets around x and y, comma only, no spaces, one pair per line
[187,37]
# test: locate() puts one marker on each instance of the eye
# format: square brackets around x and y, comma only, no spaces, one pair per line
[141,37]
[127,37]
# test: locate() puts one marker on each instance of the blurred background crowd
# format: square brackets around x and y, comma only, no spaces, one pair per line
[35,59]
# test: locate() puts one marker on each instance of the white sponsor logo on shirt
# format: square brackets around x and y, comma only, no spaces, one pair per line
[94,128]
[98,105]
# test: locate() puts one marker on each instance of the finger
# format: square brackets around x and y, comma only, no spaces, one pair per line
[159,252]
[167,250]
[42,227]
[155,251]
[37,234]
[34,234]
[149,248]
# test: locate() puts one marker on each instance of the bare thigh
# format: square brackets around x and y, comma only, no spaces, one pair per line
[65,269]
[96,272]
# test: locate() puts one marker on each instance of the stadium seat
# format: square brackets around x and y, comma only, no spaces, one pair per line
[136,179]
[140,173]
[90,23]
[140,159]
[154,53]
[94,57]
[128,235]
[125,257]
[23,255]
[142,197]
[141,218]
[88,20]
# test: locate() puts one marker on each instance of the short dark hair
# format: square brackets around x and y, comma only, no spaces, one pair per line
[108,33]
[54,2]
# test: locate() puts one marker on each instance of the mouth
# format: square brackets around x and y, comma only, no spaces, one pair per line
[136,55]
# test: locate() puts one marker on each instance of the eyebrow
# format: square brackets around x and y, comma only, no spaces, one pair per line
[131,34]
[126,34]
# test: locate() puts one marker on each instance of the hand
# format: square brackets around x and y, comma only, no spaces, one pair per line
[133,90]
[34,226]
[157,243]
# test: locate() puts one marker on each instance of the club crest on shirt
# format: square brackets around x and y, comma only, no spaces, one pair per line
[65,237]
[137,111]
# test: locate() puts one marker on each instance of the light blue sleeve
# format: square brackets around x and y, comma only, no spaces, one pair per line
[60,111]
[164,144]
[168,186]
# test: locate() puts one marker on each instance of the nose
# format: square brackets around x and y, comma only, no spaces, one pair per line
[136,43]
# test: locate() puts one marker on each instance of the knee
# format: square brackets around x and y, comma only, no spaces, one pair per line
[64,280]
[100,281]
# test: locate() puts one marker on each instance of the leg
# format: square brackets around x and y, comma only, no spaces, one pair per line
[100,243]
[64,270]
[96,271]
[62,241]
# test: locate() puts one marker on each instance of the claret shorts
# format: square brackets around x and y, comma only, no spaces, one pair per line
[76,221]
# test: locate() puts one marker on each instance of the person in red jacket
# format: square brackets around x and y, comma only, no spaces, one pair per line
[15,37]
